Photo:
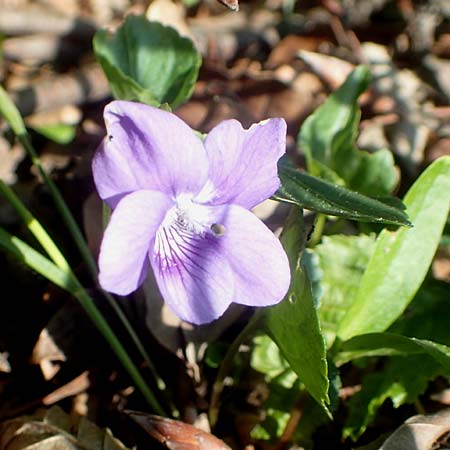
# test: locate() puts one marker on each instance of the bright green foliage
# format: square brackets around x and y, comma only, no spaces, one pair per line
[148,62]
[403,379]
[293,324]
[283,384]
[388,344]
[11,114]
[328,136]
[60,133]
[322,196]
[401,258]
[36,261]
[341,261]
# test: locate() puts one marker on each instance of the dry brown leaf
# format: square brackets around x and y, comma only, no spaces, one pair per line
[5,367]
[9,160]
[77,386]
[46,353]
[170,14]
[287,49]
[421,433]
[440,69]
[53,429]
[177,435]
[409,135]
[332,70]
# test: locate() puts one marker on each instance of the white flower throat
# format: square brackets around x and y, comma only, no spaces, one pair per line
[186,226]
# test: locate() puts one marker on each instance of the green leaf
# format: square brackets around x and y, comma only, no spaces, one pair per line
[402,258]
[428,314]
[341,261]
[388,344]
[402,380]
[36,261]
[321,196]
[283,385]
[266,357]
[293,324]
[148,62]
[427,319]
[60,133]
[328,139]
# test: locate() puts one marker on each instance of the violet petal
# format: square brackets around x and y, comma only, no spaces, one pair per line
[193,276]
[147,148]
[243,163]
[256,256]
[123,259]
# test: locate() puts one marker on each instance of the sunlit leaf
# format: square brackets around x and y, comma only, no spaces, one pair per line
[403,379]
[341,262]
[293,324]
[388,344]
[327,138]
[60,133]
[11,114]
[283,384]
[36,261]
[401,258]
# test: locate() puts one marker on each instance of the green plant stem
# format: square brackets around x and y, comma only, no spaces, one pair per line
[66,215]
[227,364]
[318,230]
[35,227]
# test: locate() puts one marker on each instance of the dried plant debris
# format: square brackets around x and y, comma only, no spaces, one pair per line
[53,429]
[409,134]
[177,435]
[430,432]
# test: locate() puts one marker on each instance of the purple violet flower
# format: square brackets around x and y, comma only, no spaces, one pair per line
[181,206]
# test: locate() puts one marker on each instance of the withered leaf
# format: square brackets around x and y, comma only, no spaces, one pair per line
[176,435]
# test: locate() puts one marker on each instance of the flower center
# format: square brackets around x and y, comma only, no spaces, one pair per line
[182,234]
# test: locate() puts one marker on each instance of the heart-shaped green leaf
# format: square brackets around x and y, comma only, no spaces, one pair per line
[148,62]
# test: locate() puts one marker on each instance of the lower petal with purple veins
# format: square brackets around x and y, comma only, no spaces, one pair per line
[193,275]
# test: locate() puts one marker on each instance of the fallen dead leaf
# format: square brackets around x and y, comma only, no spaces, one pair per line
[422,432]
[177,435]
[53,429]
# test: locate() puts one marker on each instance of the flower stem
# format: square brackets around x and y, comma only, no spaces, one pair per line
[318,230]
[227,364]
[66,215]
[35,227]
